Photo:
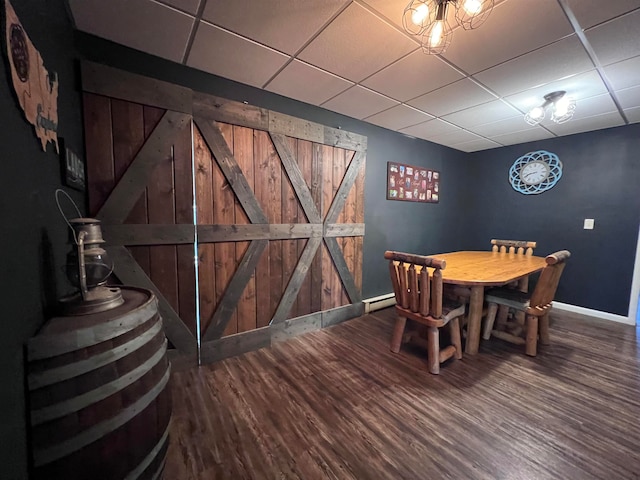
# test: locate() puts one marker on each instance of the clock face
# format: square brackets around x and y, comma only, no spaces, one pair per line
[534,172]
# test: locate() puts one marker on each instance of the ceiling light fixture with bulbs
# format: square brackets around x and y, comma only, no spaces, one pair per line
[562,108]
[427,19]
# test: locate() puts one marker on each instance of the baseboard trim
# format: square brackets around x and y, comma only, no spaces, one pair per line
[593,313]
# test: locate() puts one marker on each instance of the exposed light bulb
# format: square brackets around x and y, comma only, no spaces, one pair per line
[420,14]
[536,113]
[472,7]
[561,107]
[436,33]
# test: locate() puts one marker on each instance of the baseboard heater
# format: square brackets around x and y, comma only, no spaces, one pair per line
[376,303]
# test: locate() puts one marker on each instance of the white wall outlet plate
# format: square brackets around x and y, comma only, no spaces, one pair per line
[588,223]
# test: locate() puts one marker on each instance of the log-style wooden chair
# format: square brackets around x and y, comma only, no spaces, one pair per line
[536,305]
[419,298]
[517,247]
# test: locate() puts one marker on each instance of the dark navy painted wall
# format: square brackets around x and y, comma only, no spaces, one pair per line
[34,235]
[600,180]
[417,227]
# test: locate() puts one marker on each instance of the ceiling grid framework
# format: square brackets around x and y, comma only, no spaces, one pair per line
[354,58]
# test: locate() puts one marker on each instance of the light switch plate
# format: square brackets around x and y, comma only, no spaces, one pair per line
[588,223]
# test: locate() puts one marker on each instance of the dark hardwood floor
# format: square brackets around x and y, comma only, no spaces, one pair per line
[337,404]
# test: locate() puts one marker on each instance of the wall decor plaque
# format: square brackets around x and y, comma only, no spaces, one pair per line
[35,87]
[412,184]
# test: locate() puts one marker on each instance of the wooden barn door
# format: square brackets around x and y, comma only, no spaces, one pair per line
[279,204]
[140,185]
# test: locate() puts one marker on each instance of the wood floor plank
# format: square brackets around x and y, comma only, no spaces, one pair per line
[337,404]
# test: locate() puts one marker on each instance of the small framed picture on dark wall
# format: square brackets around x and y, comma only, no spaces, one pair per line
[73,173]
[412,184]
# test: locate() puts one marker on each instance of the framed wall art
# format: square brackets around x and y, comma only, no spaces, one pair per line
[412,184]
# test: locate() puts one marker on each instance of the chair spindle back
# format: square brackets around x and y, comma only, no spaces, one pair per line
[413,287]
[521,247]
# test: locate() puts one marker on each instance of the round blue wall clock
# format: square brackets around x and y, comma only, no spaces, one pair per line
[535,172]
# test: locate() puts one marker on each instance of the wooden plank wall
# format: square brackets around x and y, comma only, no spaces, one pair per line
[323,169]
[279,204]
[115,131]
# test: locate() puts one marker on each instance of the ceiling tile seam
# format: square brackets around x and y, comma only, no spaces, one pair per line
[194,30]
[174,7]
[564,5]
[398,102]
[386,20]
[609,20]
[306,44]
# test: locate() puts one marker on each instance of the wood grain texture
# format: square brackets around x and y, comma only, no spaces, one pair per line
[125,194]
[115,83]
[129,272]
[337,404]
[480,269]
[99,149]
[229,166]
[223,110]
[204,166]
[243,153]
[224,214]
[129,134]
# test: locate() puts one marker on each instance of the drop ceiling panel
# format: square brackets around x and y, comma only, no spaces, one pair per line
[591,12]
[629,97]
[606,120]
[391,10]
[296,21]
[141,24]
[451,98]
[581,86]
[356,44]
[294,81]
[544,24]
[509,125]
[189,6]
[398,117]
[430,129]
[588,107]
[616,40]
[352,57]
[453,138]
[624,74]
[559,60]
[475,145]
[251,63]
[530,134]
[633,114]
[485,113]
[413,76]
[359,102]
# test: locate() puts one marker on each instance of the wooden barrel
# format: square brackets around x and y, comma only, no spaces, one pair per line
[98,393]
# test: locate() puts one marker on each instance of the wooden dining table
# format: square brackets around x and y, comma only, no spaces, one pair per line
[478,270]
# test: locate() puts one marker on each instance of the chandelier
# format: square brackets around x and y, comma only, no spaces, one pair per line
[562,108]
[427,20]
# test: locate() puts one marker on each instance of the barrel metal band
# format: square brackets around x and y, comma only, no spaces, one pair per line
[59,450]
[72,370]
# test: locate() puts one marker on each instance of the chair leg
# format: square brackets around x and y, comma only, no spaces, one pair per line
[454,329]
[544,329]
[398,331]
[501,319]
[491,316]
[433,350]
[532,335]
